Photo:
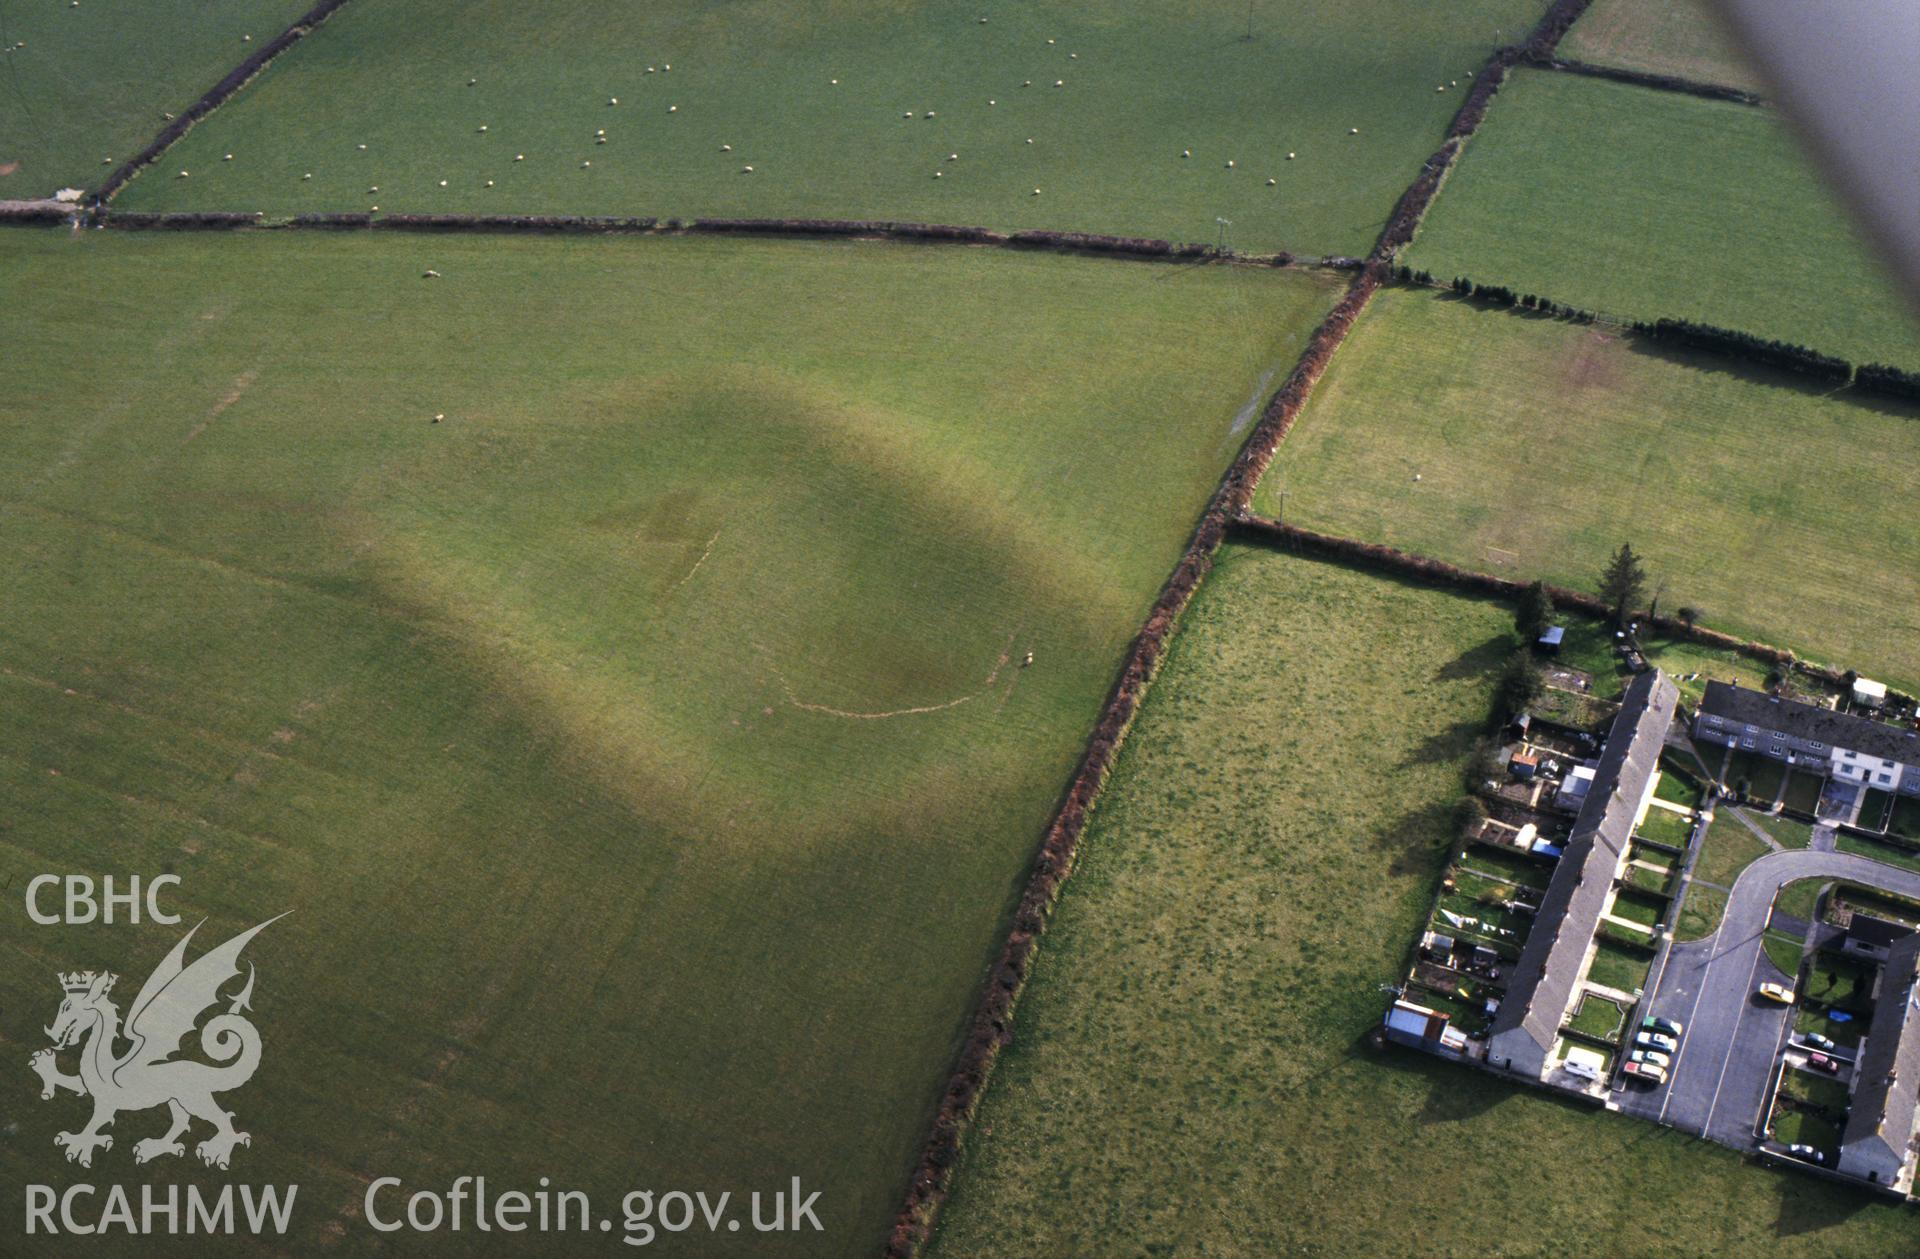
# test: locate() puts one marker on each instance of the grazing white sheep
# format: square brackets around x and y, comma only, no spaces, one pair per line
[1036,192]
[673,109]
[1049,42]
[834,82]
[308,175]
[373,209]
[936,174]
[600,140]
[665,66]
[1073,56]
[1186,152]
[726,148]
[489,183]
[907,114]
[1028,662]
[930,113]
[1028,83]
[613,100]
[227,158]
[1441,88]
[1289,157]
[471,82]
[1271,182]
[443,183]
[983,21]
[361,147]
[953,157]
[746,170]
[519,157]
[1353,131]
[483,128]
[1059,82]
[1229,163]
[430,274]
[649,69]
[1029,139]
[993,102]
[183,174]
[438,416]
[246,39]
[372,190]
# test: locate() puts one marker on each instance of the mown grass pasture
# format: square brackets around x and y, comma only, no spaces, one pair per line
[1541,445]
[87,85]
[645,749]
[1681,38]
[1647,204]
[815,99]
[1190,1071]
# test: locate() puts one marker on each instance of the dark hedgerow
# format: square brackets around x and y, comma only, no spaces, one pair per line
[1784,355]
[1891,381]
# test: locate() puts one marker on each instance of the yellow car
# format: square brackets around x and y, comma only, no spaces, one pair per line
[1777,992]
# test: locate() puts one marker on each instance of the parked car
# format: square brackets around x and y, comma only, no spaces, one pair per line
[1651,1056]
[1671,1027]
[1777,992]
[1815,1040]
[1820,1062]
[1808,1153]
[1646,1071]
[1655,1040]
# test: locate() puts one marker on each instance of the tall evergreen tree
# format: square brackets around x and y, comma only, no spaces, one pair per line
[1623,582]
[1535,613]
[1521,682]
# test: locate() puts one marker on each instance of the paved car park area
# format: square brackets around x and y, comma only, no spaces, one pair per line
[1718,1084]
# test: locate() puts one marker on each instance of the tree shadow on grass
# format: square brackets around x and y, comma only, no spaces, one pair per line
[1453,743]
[1418,839]
[1480,661]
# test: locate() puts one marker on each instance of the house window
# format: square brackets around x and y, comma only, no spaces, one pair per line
[1747,742]
[1819,747]
[1885,779]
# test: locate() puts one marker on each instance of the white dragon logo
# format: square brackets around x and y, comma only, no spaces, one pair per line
[147,1075]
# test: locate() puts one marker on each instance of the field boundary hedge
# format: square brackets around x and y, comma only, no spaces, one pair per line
[991,1027]
[1135,247]
[1380,557]
[1728,343]
[214,97]
[1658,82]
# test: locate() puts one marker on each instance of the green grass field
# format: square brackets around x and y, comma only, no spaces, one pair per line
[1141,84]
[1643,203]
[1677,37]
[644,751]
[1189,1072]
[91,85]
[1728,849]
[1541,446]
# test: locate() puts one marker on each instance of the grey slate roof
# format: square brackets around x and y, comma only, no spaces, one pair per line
[1887,1093]
[1810,721]
[1542,981]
